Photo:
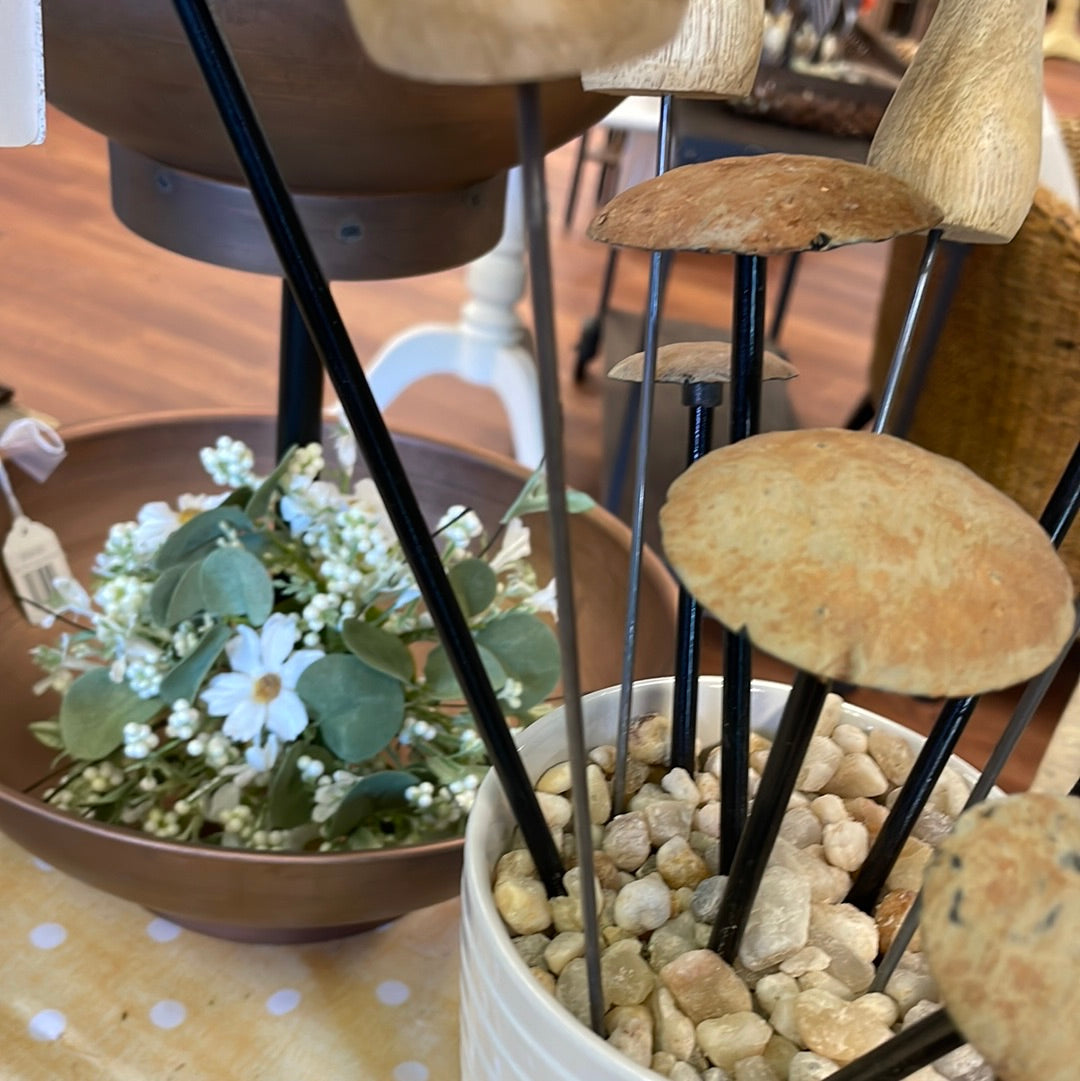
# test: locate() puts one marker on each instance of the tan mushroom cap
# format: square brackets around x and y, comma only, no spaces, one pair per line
[866,559]
[765,205]
[696,362]
[510,41]
[1001,928]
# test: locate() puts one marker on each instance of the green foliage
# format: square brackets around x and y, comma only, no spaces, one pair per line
[527,650]
[475,585]
[94,711]
[289,799]
[379,649]
[358,709]
[377,792]
[187,677]
[196,538]
[442,682]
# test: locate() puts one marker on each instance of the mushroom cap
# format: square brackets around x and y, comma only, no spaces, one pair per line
[1001,928]
[763,205]
[866,559]
[696,362]
[513,41]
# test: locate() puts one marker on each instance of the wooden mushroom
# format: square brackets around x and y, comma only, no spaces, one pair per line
[695,362]
[765,205]
[512,41]
[964,128]
[864,558]
[714,54]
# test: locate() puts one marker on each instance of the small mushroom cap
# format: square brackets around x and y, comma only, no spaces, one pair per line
[764,205]
[866,559]
[1001,929]
[696,362]
[510,41]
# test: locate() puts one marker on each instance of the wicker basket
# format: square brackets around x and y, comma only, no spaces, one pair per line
[1003,391]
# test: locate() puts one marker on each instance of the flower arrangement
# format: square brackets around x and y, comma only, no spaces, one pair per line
[256,668]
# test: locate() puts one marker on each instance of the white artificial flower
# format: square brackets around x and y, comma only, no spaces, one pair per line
[516,545]
[259,693]
[262,758]
[343,440]
[545,600]
[156,521]
[304,501]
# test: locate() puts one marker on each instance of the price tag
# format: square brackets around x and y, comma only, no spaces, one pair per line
[34,560]
[22,73]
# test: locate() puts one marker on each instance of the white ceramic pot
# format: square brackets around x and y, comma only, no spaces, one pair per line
[511,1029]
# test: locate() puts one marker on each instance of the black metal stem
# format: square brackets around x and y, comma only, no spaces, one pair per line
[1029,702]
[1056,519]
[688,620]
[323,321]
[300,381]
[641,462]
[907,330]
[747,358]
[534,190]
[911,1049]
[777,783]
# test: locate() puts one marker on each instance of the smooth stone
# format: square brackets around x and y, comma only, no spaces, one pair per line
[779,921]
[704,985]
[727,1040]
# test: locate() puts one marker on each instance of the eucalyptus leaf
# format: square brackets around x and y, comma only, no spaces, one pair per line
[235,583]
[94,711]
[534,498]
[441,680]
[358,709]
[47,733]
[259,504]
[379,649]
[289,799]
[376,792]
[527,649]
[200,535]
[162,593]
[187,599]
[187,677]
[475,585]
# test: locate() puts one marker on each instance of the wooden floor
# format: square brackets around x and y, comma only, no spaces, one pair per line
[96,323]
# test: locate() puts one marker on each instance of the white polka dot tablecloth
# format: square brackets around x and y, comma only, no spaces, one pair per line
[96,989]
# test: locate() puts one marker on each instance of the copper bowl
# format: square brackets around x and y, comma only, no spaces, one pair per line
[111,470]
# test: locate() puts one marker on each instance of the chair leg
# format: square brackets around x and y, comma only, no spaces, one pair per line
[593,329]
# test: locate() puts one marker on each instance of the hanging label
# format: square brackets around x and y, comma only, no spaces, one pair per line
[22,73]
[34,560]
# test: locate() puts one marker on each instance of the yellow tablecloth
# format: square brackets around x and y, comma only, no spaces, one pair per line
[96,989]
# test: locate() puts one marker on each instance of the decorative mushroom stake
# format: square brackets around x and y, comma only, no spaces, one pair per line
[714,55]
[519,42]
[1002,935]
[861,558]
[755,207]
[964,129]
[702,368]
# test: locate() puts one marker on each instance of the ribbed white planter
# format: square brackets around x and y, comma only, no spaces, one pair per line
[511,1029]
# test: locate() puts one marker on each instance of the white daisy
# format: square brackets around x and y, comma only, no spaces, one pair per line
[259,693]
[157,521]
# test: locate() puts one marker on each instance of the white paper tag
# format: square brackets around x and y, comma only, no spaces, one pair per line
[34,560]
[22,73]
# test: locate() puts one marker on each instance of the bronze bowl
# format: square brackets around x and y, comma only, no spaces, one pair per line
[111,470]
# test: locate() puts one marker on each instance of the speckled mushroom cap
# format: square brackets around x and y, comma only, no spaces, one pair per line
[866,559]
[764,205]
[1001,929]
[510,41]
[696,362]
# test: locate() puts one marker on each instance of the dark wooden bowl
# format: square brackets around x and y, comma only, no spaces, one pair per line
[111,470]
[336,123]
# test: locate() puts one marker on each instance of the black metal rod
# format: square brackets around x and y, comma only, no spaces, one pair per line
[909,1050]
[1075,790]
[1029,702]
[300,381]
[1056,519]
[688,626]
[783,296]
[907,330]
[759,835]
[641,462]
[747,360]
[955,255]
[534,190]
[323,321]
